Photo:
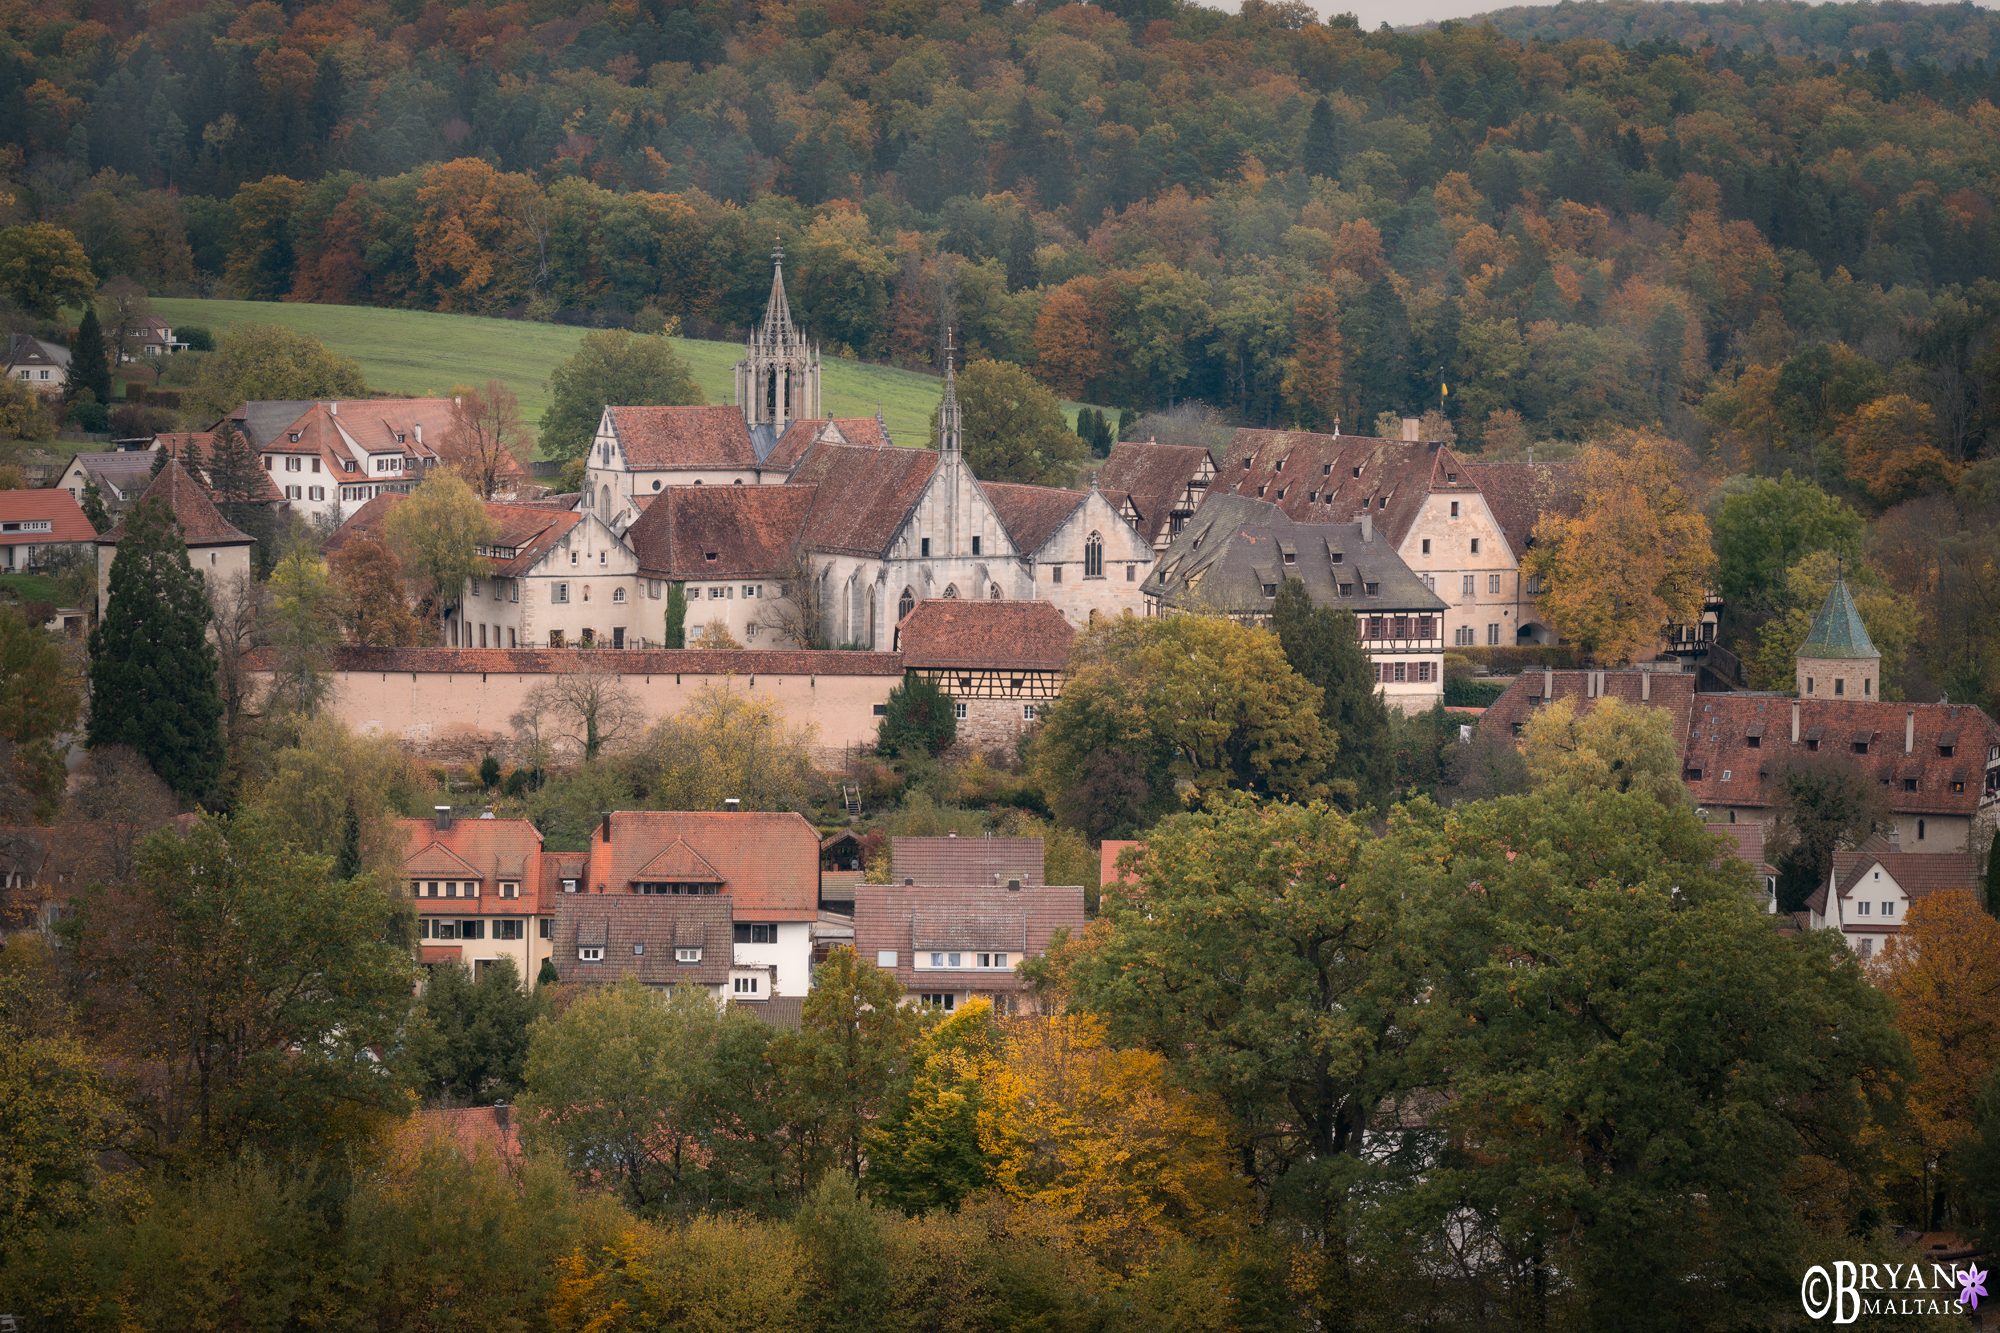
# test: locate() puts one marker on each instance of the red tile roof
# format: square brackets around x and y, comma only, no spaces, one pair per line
[476,1131]
[1155,475]
[202,524]
[984,634]
[529,531]
[750,530]
[683,437]
[639,934]
[1031,514]
[364,522]
[1520,493]
[1918,874]
[967,862]
[631,661]
[53,506]
[1311,476]
[1748,838]
[768,863]
[1107,870]
[492,849]
[800,436]
[864,497]
[893,918]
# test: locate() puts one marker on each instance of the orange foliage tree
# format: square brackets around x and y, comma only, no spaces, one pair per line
[1314,371]
[1890,450]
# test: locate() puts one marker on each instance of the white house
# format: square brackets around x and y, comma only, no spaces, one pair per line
[1868,896]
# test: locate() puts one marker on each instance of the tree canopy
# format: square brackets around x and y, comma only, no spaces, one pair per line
[1014,427]
[269,361]
[611,366]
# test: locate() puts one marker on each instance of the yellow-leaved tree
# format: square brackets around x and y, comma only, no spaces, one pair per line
[1102,1149]
[1634,559]
[724,744]
[1615,746]
[1892,621]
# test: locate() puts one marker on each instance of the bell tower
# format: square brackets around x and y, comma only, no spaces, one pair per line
[1838,660]
[777,381]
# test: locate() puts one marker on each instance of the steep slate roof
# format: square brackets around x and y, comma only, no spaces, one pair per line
[1031,514]
[751,530]
[1154,475]
[864,497]
[54,506]
[767,863]
[656,924]
[1311,476]
[1837,631]
[122,475]
[896,918]
[1520,493]
[1233,548]
[202,524]
[631,661]
[262,420]
[967,862]
[945,632]
[1723,723]
[683,437]
[23,350]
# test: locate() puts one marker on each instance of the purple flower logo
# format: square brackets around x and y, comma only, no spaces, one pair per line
[1974,1283]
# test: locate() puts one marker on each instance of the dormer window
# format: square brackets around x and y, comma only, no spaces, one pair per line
[1339,556]
[1451,476]
[1373,589]
[1270,590]
[1357,472]
[1861,747]
[402,438]
[1281,465]
[687,955]
[1692,775]
[1246,465]
[1291,558]
[589,953]
[1260,492]
[294,437]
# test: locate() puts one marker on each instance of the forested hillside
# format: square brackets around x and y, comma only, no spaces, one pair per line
[1144,202]
[1942,36]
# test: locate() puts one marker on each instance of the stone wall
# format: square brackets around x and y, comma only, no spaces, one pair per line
[1857,677]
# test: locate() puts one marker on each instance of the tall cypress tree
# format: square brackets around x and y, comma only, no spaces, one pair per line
[347,865]
[89,362]
[1323,646]
[152,668]
[677,614]
[1319,152]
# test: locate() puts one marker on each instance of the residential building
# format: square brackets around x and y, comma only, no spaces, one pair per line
[663,942]
[1082,554]
[1164,484]
[217,549]
[947,945]
[1868,895]
[33,523]
[960,863]
[735,550]
[759,870]
[43,367]
[478,889]
[1747,840]
[1433,507]
[122,475]
[1236,553]
[1002,663]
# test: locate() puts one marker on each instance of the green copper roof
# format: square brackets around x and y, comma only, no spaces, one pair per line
[1837,630]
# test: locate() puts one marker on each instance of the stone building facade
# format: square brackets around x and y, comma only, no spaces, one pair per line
[1002,663]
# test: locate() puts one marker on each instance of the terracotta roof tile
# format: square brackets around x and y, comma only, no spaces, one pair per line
[1671,690]
[767,863]
[864,496]
[492,849]
[1107,871]
[750,530]
[1311,476]
[202,524]
[893,918]
[1518,494]
[801,435]
[53,506]
[1154,475]
[1917,873]
[967,862]
[365,522]
[985,635]
[639,934]
[679,864]
[632,661]
[683,437]
[1031,514]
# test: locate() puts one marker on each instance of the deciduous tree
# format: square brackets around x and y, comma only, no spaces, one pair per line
[1014,428]
[588,704]
[373,607]
[470,1042]
[613,366]
[304,628]
[487,442]
[1761,534]
[268,361]
[722,744]
[1614,746]
[44,269]
[852,1048]
[1323,645]
[38,711]
[927,1153]
[436,533]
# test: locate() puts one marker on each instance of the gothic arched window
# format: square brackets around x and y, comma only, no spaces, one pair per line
[994,592]
[906,603]
[1093,557]
[951,591]
[604,500]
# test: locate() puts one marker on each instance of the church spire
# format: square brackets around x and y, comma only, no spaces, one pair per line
[777,326]
[951,419]
[778,379]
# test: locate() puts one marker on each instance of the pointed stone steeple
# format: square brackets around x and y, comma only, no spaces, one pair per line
[778,379]
[1838,659]
[951,418]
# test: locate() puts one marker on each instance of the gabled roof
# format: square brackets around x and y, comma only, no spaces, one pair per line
[202,524]
[749,530]
[1311,476]
[1155,475]
[660,438]
[261,420]
[122,475]
[487,849]
[679,864]
[23,350]
[1234,549]
[1031,514]
[786,451]
[53,506]
[982,634]
[528,531]
[865,495]
[1916,873]
[967,862]
[364,522]
[767,863]
[1837,631]
[656,924]
[1518,494]
[437,860]
[899,919]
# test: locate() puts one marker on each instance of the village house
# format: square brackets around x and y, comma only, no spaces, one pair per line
[122,475]
[950,944]
[1236,553]
[736,552]
[33,524]
[722,900]
[1163,484]
[478,889]
[217,549]
[1462,528]
[43,367]
[1002,663]
[958,863]
[1868,895]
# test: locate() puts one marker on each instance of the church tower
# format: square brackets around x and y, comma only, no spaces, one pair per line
[1838,660]
[777,381]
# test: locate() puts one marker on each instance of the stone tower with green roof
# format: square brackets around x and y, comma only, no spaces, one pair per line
[1838,660]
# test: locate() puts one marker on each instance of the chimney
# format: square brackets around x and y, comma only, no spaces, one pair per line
[333,409]
[1411,425]
[732,805]
[952,834]
[1013,886]
[443,813]
[606,827]
[1910,732]
[1548,684]
[1367,526]
[420,432]
[1795,721]
[1895,838]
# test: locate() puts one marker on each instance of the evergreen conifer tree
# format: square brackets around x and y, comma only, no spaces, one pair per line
[1319,154]
[347,864]
[677,614]
[236,483]
[548,976]
[1022,272]
[89,361]
[93,507]
[1322,645]
[152,668]
[1993,875]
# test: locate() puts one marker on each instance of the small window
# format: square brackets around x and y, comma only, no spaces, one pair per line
[975,546]
[1475,546]
[944,1000]
[926,544]
[1863,909]
[881,710]
[687,955]
[618,596]
[1692,775]
[745,985]
[1909,784]
[1027,712]
[559,592]
[1889,909]
[1454,509]
[1839,685]
[1920,830]
[1725,775]
[958,711]
[885,958]
[590,954]
[569,886]
[1427,546]
[1055,574]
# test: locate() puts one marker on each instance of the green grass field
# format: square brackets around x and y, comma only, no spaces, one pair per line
[419,353]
